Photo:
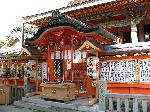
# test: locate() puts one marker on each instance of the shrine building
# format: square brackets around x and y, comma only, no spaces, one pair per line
[89,40]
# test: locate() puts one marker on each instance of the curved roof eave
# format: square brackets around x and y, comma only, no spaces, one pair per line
[59,19]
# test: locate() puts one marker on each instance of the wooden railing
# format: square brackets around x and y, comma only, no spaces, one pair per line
[127,102]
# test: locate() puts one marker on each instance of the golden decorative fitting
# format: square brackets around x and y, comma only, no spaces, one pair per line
[2,91]
[53,91]
[87,46]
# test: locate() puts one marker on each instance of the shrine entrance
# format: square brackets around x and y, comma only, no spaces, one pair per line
[69,44]
[67,57]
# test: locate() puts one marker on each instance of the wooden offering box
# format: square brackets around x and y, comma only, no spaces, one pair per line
[5,94]
[64,91]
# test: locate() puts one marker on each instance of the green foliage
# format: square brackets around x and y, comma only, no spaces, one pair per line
[30,29]
[12,42]
[1,43]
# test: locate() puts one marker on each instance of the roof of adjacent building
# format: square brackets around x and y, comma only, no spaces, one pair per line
[75,5]
[79,2]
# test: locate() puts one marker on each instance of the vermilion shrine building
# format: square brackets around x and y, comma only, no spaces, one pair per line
[116,32]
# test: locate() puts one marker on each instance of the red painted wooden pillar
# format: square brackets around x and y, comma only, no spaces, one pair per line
[50,65]
[89,87]
[63,51]
[48,62]
[72,58]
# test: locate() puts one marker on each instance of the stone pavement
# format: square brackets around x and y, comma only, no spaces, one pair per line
[36,104]
[13,108]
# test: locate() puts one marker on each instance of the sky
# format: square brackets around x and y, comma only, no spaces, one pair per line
[12,11]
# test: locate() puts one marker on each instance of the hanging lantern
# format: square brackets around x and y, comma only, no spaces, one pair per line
[58,55]
[52,55]
[77,56]
[93,67]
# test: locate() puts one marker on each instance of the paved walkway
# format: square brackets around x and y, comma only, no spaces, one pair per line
[13,108]
[36,104]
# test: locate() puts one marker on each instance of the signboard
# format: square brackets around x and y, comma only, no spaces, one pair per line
[44,72]
[144,70]
[119,71]
[93,67]
[32,67]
